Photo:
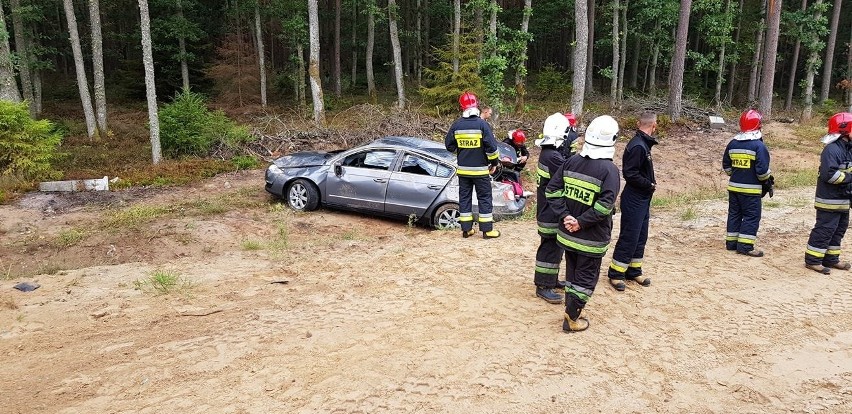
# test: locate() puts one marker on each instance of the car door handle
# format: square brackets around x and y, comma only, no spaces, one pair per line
[380,180]
[435,187]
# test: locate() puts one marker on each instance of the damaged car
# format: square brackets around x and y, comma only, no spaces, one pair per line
[401,177]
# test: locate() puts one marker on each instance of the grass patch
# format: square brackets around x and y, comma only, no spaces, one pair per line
[132,217]
[5,271]
[163,283]
[8,302]
[771,204]
[49,269]
[672,200]
[688,214]
[799,202]
[68,238]
[796,178]
[251,245]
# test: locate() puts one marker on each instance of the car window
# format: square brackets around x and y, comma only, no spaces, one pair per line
[375,159]
[414,164]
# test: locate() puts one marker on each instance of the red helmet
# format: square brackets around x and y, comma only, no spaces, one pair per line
[518,137]
[840,123]
[468,100]
[572,120]
[750,121]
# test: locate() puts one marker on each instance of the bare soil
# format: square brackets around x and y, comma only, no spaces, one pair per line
[336,312]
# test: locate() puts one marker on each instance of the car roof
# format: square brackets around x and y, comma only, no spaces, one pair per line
[436,149]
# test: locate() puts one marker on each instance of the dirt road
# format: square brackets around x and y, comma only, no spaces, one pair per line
[331,312]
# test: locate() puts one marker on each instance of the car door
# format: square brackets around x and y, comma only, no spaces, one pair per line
[415,184]
[360,179]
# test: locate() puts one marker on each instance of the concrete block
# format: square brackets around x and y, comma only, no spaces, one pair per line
[97,184]
[716,122]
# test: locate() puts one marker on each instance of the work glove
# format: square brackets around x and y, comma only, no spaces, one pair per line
[768,187]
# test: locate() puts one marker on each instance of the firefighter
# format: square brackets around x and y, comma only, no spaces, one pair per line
[582,194]
[470,138]
[548,257]
[638,170]
[517,140]
[746,161]
[833,191]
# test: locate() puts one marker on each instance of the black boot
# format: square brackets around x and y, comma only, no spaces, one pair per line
[572,321]
[548,294]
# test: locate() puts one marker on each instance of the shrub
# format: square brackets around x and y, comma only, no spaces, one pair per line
[552,82]
[245,162]
[189,128]
[27,146]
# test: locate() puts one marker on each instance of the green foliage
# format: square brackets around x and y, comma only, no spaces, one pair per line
[245,162]
[553,83]
[443,87]
[189,128]
[27,146]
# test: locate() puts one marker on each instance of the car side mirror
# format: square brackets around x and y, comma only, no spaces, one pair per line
[338,169]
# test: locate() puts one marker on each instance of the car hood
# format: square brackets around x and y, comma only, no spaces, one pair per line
[303,159]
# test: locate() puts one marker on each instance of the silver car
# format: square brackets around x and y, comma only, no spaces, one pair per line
[393,176]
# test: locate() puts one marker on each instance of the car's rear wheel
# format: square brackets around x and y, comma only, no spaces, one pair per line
[302,195]
[446,217]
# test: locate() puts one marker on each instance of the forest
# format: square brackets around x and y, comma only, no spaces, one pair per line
[192,77]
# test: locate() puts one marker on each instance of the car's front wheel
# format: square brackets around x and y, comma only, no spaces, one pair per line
[446,217]
[302,195]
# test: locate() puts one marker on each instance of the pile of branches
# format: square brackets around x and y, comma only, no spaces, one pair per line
[277,135]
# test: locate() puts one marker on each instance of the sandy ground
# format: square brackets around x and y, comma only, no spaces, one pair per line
[333,312]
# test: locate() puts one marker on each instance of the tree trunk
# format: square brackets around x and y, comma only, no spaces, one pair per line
[652,78]
[812,66]
[82,81]
[261,54]
[849,70]
[22,46]
[616,54]
[8,84]
[456,34]
[150,86]
[184,66]
[397,53]
[426,34]
[678,60]
[755,63]
[590,47]
[313,65]
[98,68]
[829,52]
[338,90]
[623,53]
[37,89]
[732,72]
[720,75]
[418,43]
[521,70]
[371,41]
[767,79]
[300,78]
[794,64]
[633,81]
[354,44]
[479,27]
[578,79]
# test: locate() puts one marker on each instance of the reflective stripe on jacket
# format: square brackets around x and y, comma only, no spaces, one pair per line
[586,189]
[474,145]
[835,174]
[747,163]
[549,162]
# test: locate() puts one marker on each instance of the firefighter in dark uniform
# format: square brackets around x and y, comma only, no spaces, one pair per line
[470,138]
[582,193]
[833,191]
[548,257]
[517,140]
[746,161]
[638,170]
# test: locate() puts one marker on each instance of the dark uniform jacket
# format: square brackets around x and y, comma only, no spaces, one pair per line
[549,162]
[474,144]
[520,151]
[747,163]
[586,189]
[636,164]
[835,175]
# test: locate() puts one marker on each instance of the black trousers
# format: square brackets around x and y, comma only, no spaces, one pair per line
[630,247]
[582,274]
[483,199]
[743,221]
[548,258]
[824,242]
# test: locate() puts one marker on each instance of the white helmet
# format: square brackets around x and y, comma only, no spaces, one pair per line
[555,129]
[600,138]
